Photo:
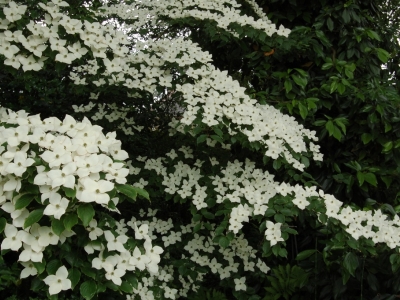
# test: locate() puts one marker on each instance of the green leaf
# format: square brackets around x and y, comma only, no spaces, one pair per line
[366,138]
[329,23]
[70,221]
[371,179]
[196,218]
[3,223]
[132,280]
[360,177]
[40,266]
[301,81]
[341,88]
[327,66]
[346,16]
[387,146]
[305,254]
[88,289]
[89,272]
[218,131]
[336,133]
[53,266]
[372,34]
[350,262]
[282,252]
[217,138]
[223,242]
[86,213]
[208,215]
[201,138]
[126,287]
[303,110]
[387,180]
[141,192]
[288,85]
[57,226]
[24,201]
[383,55]
[127,190]
[353,243]
[330,127]
[70,193]
[74,275]
[33,217]
[334,85]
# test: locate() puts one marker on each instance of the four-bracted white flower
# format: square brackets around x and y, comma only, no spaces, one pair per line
[58,282]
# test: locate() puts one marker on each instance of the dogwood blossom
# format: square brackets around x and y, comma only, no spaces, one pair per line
[58,282]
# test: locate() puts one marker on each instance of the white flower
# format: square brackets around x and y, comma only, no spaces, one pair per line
[94,231]
[29,270]
[115,275]
[115,243]
[20,164]
[30,255]
[57,157]
[141,232]
[215,265]
[240,284]
[14,12]
[170,293]
[138,260]
[273,232]
[63,177]
[95,191]
[65,57]
[153,252]
[13,238]
[58,282]
[47,236]
[57,206]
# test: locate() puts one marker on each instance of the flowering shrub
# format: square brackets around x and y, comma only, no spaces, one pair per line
[209,206]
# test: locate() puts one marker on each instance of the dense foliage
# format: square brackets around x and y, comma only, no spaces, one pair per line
[199,149]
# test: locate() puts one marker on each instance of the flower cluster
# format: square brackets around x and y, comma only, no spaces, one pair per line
[53,172]
[64,167]
[144,70]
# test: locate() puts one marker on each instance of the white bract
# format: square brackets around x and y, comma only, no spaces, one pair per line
[58,282]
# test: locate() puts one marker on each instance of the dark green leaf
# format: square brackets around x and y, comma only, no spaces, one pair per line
[57,226]
[288,85]
[223,242]
[70,220]
[86,213]
[40,266]
[24,201]
[305,254]
[371,179]
[33,217]
[69,193]
[3,223]
[217,138]
[88,289]
[303,111]
[350,262]
[329,23]
[127,190]
[74,275]
[201,138]
[126,287]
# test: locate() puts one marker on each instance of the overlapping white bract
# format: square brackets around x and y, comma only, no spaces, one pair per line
[211,96]
[56,155]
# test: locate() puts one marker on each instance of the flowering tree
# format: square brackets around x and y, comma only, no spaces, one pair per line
[186,194]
